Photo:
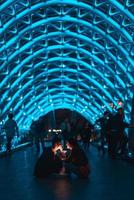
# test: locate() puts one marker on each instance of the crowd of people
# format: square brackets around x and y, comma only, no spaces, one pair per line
[67,152]
[112,136]
[113,133]
[79,130]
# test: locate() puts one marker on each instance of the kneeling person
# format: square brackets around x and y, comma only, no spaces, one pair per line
[49,162]
[78,162]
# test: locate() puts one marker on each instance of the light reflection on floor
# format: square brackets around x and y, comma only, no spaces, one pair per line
[109,179]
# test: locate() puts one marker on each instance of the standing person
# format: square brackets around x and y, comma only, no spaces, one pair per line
[32,132]
[79,128]
[39,131]
[121,125]
[86,135]
[65,128]
[117,138]
[103,121]
[11,130]
[73,132]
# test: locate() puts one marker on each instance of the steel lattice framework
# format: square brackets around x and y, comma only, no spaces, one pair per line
[76,54]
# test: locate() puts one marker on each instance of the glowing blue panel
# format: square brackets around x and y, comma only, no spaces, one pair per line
[71,54]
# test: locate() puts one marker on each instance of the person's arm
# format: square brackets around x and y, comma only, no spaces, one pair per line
[130,126]
[126,125]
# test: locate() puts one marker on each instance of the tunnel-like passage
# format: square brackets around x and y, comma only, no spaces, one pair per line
[73,54]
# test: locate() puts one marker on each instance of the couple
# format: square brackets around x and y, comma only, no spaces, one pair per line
[52,159]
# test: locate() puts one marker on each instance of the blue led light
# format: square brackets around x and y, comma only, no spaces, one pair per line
[65,54]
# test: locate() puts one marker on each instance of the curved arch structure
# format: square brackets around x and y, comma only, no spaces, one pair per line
[75,54]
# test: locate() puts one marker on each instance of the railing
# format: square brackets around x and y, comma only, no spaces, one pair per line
[16,142]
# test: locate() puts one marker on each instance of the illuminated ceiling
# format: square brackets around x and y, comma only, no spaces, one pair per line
[75,54]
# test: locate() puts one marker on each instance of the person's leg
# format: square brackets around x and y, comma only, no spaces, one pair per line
[67,167]
[9,139]
[124,141]
[64,140]
[42,143]
[102,143]
[102,146]
[58,165]
[112,145]
[84,145]
[88,142]
[81,171]
[115,144]
[109,143]
[32,139]
[37,144]
[74,169]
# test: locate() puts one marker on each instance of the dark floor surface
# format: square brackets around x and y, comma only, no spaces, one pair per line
[109,180]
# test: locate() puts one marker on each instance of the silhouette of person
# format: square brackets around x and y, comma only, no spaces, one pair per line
[65,128]
[49,162]
[38,133]
[117,136]
[11,130]
[86,135]
[103,121]
[78,161]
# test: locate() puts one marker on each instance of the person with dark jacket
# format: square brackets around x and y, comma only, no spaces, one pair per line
[86,135]
[11,130]
[117,138]
[49,162]
[78,162]
[103,121]
[39,129]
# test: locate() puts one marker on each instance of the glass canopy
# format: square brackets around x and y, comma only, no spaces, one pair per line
[74,54]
